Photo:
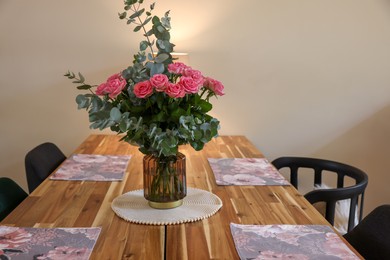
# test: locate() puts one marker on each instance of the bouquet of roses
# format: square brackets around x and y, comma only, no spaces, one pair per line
[158,104]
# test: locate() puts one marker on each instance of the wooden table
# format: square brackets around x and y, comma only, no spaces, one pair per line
[88,204]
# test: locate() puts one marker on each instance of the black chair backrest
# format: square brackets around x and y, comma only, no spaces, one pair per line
[329,196]
[371,237]
[11,194]
[40,162]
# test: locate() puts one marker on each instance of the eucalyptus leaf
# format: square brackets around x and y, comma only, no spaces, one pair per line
[85,87]
[156,20]
[82,101]
[123,126]
[166,21]
[143,45]
[137,28]
[149,33]
[156,68]
[160,44]
[130,2]
[197,134]
[137,13]
[160,28]
[122,15]
[70,75]
[161,57]
[115,114]
[147,20]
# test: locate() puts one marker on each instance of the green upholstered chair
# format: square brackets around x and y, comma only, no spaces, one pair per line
[11,194]
[40,162]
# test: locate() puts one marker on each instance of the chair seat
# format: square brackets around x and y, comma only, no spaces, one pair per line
[371,237]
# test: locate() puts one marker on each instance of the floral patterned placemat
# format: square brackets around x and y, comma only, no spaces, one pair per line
[245,171]
[47,243]
[303,242]
[93,167]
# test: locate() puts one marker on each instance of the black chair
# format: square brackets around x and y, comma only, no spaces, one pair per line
[11,195]
[40,162]
[371,237]
[332,195]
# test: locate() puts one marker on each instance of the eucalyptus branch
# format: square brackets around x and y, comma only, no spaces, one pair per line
[146,35]
[79,80]
[141,23]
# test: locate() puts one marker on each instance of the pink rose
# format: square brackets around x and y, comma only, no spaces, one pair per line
[175,90]
[189,72]
[196,75]
[215,86]
[113,86]
[143,89]
[159,81]
[177,67]
[101,89]
[189,85]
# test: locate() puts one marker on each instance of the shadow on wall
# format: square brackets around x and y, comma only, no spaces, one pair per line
[44,112]
[366,146]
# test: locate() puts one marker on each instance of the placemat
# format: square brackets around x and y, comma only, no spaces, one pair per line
[92,167]
[197,205]
[47,243]
[289,242]
[245,171]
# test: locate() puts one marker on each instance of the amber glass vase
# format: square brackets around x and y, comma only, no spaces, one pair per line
[165,180]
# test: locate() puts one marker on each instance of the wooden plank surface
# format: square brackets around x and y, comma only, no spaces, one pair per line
[211,238]
[88,204]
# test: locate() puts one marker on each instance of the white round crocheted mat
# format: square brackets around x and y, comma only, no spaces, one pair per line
[197,205]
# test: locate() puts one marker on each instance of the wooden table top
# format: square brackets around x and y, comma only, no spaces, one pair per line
[88,204]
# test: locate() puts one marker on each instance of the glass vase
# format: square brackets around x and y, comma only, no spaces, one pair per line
[165,180]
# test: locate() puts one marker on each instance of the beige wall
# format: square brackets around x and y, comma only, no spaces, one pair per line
[304,77]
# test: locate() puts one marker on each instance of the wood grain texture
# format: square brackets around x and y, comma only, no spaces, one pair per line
[88,204]
[211,238]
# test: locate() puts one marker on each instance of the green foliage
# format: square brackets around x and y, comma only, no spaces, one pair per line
[157,124]
[140,18]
